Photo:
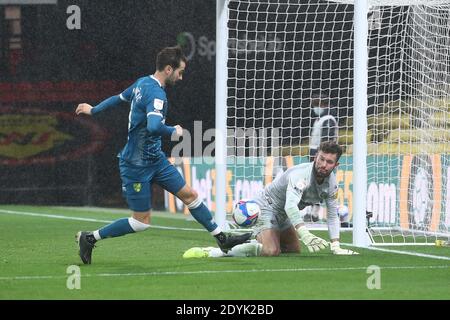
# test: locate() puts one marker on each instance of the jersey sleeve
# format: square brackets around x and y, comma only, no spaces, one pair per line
[126,95]
[106,104]
[294,191]
[333,221]
[155,105]
[113,101]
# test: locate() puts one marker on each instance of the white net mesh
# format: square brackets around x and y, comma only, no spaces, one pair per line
[410,121]
[290,71]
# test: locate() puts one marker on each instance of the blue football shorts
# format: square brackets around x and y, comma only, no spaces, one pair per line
[137,182]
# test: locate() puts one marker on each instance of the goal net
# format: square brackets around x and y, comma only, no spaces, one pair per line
[290,84]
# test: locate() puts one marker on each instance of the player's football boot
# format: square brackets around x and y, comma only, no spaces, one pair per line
[226,242]
[197,252]
[86,243]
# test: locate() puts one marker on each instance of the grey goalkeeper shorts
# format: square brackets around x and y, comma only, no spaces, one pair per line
[270,217]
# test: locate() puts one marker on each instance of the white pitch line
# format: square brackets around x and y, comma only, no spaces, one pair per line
[417,254]
[54,216]
[182,273]
[94,209]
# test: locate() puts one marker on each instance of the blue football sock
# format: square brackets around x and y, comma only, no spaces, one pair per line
[116,229]
[202,215]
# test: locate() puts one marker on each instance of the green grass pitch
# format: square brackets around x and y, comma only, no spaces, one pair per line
[37,248]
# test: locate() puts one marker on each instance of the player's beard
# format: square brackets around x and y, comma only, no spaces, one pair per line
[320,174]
[170,80]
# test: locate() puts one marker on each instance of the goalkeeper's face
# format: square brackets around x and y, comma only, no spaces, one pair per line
[324,164]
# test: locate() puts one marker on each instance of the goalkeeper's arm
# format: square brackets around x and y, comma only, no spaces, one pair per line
[294,194]
[334,226]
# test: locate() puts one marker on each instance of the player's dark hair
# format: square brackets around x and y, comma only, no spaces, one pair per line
[170,56]
[331,147]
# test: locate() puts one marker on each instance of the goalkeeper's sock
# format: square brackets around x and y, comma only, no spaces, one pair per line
[201,213]
[252,249]
[216,253]
[119,228]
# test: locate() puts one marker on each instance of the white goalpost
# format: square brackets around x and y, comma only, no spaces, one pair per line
[380,69]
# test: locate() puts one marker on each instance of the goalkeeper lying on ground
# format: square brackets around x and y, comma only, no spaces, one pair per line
[280,224]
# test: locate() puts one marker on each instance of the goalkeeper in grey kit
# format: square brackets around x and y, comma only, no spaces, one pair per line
[280,224]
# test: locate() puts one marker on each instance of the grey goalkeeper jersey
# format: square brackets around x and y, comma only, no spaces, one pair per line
[297,187]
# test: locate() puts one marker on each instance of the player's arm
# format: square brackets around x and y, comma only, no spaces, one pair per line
[334,225]
[294,193]
[84,108]
[155,124]
[156,127]
[105,104]
[113,101]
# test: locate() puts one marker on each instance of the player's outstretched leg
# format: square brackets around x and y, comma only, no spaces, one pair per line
[86,243]
[198,252]
[251,249]
[202,214]
[86,240]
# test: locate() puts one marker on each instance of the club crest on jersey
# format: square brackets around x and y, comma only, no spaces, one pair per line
[335,193]
[158,104]
[323,195]
[137,187]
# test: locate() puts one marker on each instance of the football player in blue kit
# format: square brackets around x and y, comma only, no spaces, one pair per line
[142,162]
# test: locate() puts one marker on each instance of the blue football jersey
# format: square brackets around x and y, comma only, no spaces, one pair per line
[148,102]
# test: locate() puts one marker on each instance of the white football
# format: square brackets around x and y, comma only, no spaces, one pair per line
[246,212]
[343,213]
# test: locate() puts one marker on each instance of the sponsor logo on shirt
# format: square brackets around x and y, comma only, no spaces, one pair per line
[300,186]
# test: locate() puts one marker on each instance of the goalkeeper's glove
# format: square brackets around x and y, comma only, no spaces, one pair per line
[312,242]
[336,249]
